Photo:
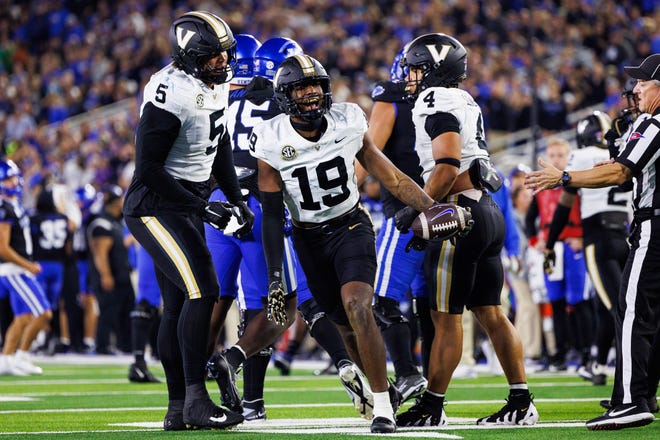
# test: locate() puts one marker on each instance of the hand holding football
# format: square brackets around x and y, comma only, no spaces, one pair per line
[442,221]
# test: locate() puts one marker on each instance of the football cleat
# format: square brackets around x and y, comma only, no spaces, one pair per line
[225,376]
[204,414]
[423,413]
[358,389]
[254,410]
[382,425]
[517,411]
[174,418]
[23,362]
[411,386]
[140,373]
[627,415]
[282,363]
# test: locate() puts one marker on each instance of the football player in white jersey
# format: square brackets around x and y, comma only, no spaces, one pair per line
[605,214]
[181,141]
[306,159]
[466,272]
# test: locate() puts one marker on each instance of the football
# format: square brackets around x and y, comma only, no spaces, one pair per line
[441,221]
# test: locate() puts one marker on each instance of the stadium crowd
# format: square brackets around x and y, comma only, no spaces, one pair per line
[60,59]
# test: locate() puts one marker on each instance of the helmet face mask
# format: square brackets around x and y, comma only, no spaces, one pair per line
[441,60]
[294,74]
[198,37]
[591,130]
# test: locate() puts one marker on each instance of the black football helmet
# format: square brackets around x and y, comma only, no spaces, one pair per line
[590,131]
[198,36]
[442,59]
[300,70]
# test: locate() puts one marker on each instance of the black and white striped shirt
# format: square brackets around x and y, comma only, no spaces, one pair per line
[642,155]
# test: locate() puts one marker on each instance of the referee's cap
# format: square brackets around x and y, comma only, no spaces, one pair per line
[648,70]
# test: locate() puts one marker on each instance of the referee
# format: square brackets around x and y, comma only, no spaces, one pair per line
[638,308]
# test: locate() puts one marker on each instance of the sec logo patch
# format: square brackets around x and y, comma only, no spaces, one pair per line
[288,152]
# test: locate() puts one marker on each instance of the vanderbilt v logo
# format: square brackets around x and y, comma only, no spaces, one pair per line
[182,40]
[438,56]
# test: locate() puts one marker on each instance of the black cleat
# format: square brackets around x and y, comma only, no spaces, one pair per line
[254,411]
[138,373]
[396,399]
[517,411]
[225,376]
[628,415]
[382,425]
[411,386]
[282,363]
[204,414]
[174,418]
[423,413]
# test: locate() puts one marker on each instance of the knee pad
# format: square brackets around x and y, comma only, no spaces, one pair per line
[311,312]
[387,313]
[144,310]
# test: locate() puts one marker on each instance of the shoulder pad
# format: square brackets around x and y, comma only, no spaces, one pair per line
[389,91]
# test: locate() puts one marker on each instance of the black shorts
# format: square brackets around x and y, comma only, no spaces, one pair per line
[334,254]
[469,274]
[176,244]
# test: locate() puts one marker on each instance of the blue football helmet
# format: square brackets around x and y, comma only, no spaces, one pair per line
[397,71]
[271,54]
[86,197]
[9,169]
[246,46]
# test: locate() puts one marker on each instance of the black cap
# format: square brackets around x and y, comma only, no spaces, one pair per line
[112,193]
[649,69]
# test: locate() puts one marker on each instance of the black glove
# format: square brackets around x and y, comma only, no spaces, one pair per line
[276,308]
[245,217]
[217,214]
[419,244]
[404,217]
[549,258]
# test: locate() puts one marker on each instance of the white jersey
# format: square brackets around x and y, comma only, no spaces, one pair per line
[460,104]
[597,200]
[319,177]
[202,112]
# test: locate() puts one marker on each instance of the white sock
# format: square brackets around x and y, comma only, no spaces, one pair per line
[383,406]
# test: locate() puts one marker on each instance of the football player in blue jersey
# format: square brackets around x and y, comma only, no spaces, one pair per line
[306,157]
[181,141]
[400,270]
[51,239]
[32,311]
[250,101]
[89,202]
[144,316]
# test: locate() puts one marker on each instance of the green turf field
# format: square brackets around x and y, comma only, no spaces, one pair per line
[82,401]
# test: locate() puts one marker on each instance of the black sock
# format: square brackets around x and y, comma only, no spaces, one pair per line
[235,357]
[140,332]
[254,373]
[193,330]
[292,349]
[605,333]
[518,391]
[397,339]
[328,337]
[560,324]
[422,312]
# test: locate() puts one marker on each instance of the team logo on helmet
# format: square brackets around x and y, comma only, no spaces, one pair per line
[288,152]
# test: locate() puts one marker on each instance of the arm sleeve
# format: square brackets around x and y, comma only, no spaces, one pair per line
[530,220]
[272,230]
[559,220]
[156,133]
[224,171]
[439,123]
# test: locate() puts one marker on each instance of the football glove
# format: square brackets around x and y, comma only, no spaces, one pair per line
[245,217]
[404,217]
[276,308]
[417,243]
[549,258]
[217,214]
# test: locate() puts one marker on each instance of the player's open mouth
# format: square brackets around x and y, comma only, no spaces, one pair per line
[310,103]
